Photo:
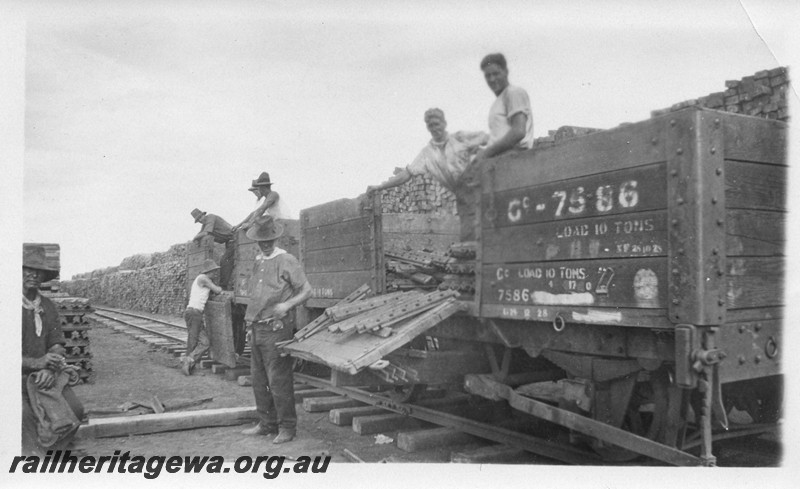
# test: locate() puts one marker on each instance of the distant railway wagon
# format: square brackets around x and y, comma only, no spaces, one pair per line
[626,285]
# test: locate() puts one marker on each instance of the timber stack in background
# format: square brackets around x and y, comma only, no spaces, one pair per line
[147,282]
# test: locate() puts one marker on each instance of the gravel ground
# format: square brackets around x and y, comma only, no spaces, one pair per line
[130,370]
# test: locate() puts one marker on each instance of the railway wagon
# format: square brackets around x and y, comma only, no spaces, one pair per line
[224,313]
[628,283]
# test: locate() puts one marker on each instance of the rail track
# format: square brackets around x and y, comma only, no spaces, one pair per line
[163,329]
[452,418]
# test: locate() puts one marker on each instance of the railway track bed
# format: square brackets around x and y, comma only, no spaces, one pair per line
[469,428]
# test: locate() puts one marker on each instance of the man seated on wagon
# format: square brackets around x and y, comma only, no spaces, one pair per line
[445,157]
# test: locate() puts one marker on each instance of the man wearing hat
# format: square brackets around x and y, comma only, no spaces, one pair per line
[197,342]
[268,202]
[222,232]
[277,285]
[43,364]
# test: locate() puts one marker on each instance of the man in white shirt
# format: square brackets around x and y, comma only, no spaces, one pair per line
[197,342]
[510,117]
[445,157]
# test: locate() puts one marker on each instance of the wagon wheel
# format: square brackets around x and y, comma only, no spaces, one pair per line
[407,392]
[645,416]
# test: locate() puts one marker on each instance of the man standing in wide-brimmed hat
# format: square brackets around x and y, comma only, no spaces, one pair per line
[51,412]
[268,204]
[197,343]
[277,285]
[222,231]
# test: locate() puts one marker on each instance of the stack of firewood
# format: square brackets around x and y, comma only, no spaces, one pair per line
[408,270]
[359,314]
[762,95]
[420,195]
[157,289]
[73,314]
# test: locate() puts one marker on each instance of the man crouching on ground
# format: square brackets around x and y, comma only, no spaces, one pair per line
[197,342]
[51,412]
[277,285]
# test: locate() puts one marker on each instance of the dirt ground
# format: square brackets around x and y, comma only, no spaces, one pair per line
[130,370]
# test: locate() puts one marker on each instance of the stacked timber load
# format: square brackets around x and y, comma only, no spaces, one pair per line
[761,95]
[420,195]
[425,270]
[147,282]
[460,269]
[562,134]
[73,314]
[359,314]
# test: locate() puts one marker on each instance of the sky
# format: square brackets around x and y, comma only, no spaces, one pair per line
[135,115]
[124,116]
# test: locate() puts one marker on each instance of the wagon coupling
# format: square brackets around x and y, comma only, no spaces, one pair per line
[703,358]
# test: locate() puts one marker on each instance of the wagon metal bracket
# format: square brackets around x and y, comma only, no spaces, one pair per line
[696,213]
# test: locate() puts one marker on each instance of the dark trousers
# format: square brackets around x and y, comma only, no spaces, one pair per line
[273,381]
[468,195]
[197,342]
[226,265]
[30,436]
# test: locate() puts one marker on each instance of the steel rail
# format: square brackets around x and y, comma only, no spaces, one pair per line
[539,446]
[125,313]
[143,328]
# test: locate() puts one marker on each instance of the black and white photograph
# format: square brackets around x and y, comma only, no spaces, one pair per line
[386,244]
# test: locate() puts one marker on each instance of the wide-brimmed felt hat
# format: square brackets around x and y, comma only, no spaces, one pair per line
[265,229]
[262,181]
[209,265]
[36,257]
[198,214]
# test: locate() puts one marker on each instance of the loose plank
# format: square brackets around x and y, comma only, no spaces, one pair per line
[157,423]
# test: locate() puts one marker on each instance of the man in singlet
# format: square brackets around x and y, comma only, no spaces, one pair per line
[268,204]
[197,343]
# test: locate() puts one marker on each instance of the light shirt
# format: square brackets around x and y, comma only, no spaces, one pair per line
[198,296]
[274,279]
[511,101]
[446,161]
[276,210]
[275,252]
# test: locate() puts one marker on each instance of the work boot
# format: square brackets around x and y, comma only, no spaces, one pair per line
[283,437]
[188,366]
[260,429]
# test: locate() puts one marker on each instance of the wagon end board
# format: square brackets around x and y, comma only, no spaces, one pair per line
[353,353]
